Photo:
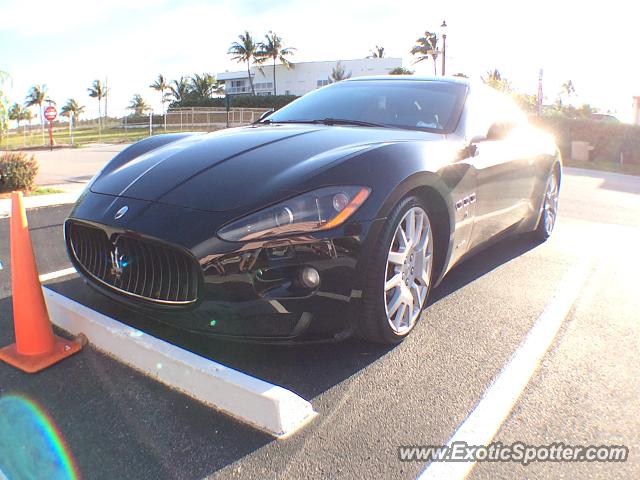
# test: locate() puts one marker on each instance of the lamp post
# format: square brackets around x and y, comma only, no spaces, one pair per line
[443,32]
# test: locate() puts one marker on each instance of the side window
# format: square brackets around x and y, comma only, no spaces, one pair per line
[480,115]
[492,114]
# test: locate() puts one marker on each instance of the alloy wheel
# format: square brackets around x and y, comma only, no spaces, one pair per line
[551,203]
[408,273]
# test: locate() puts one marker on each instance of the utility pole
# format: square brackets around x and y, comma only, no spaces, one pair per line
[106,95]
[539,99]
[443,30]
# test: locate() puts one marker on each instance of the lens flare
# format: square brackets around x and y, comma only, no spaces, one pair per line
[31,445]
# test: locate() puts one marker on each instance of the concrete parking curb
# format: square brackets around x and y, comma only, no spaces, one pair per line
[268,407]
[39,201]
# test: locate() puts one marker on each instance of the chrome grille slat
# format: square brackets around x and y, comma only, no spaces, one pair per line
[147,270]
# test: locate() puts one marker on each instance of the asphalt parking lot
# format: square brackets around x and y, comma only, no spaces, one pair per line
[116,423]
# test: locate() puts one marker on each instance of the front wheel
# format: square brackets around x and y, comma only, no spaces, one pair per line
[399,274]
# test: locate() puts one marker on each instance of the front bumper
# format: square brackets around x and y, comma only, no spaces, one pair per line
[250,292]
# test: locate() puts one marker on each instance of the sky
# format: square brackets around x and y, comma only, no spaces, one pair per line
[69,43]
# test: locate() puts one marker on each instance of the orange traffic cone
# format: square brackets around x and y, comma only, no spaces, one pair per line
[36,346]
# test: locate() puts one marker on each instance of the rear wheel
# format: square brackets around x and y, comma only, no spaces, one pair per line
[399,274]
[549,208]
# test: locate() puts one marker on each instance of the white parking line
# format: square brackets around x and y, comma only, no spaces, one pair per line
[60,273]
[486,418]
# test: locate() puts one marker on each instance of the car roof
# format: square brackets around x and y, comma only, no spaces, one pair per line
[415,78]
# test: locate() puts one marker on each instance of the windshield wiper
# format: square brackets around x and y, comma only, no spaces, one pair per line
[346,121]
[329,121]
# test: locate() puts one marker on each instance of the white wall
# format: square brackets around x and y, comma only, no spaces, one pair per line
[304,76]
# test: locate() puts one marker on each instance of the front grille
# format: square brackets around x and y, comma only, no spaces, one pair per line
[134,266]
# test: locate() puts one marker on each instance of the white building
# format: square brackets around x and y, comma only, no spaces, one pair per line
[303,77]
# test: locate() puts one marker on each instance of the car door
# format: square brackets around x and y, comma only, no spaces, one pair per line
[503,172]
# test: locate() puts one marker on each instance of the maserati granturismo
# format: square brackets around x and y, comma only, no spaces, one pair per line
[332,216]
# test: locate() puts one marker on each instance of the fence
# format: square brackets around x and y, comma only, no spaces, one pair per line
[211,117]
[131,128]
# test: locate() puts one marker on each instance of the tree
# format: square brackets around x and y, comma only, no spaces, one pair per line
[72,110]
[161,85]
[203,86]
[138,105]
[495,79]
[179,89]
[273,49]
[99,91]
[377,52]
[401,71]
[426,47]
[339,73]
[16,113]
[245,51]
[567,90]
[36,97]
[4,105]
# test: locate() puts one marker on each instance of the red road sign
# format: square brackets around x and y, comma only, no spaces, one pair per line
[50,113]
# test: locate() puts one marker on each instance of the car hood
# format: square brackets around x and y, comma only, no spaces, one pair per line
[233,168]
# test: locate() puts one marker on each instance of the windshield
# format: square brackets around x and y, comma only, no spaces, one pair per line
[419,105]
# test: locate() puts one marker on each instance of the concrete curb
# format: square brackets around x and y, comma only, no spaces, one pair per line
[268,407]
[39,201]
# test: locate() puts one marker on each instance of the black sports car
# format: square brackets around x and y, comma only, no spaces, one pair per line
[333,215]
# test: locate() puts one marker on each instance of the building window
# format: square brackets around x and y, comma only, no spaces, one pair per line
[322,83]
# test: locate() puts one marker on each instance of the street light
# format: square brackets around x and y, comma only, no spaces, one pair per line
[443,32]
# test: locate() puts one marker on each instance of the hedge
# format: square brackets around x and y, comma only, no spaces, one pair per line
[240,101]
[609,140]
[17,171]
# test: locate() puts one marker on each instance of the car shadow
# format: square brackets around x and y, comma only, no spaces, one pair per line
[308,370]
[481,263]
[149,408]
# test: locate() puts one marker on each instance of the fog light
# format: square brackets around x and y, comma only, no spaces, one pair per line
[310,277]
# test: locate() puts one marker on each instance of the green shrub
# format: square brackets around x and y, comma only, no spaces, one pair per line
[609,140]
[240,101]
[17,171]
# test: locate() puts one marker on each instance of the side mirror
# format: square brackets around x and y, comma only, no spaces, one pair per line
[478,139]
[500,130]
[265,115]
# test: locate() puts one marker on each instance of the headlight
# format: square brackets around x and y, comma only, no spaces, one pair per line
[320,209]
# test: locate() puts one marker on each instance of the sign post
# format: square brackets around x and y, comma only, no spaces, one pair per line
[50,113]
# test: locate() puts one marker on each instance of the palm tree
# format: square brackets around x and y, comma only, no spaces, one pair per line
[495,79]
[4,113]
[161,85]
[99,91]
[204,86]
[377,52]
[567,89]
[245,51]
[138,105]
[179,89]
[72,109]
[16,112]
[272,49]
[426,47]
[339,73]
[36,97]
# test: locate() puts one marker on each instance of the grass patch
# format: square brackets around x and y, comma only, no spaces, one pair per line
[615,167]
[44,191]
[83,136]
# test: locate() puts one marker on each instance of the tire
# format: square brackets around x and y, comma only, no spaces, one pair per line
[398,276]
[549,213]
